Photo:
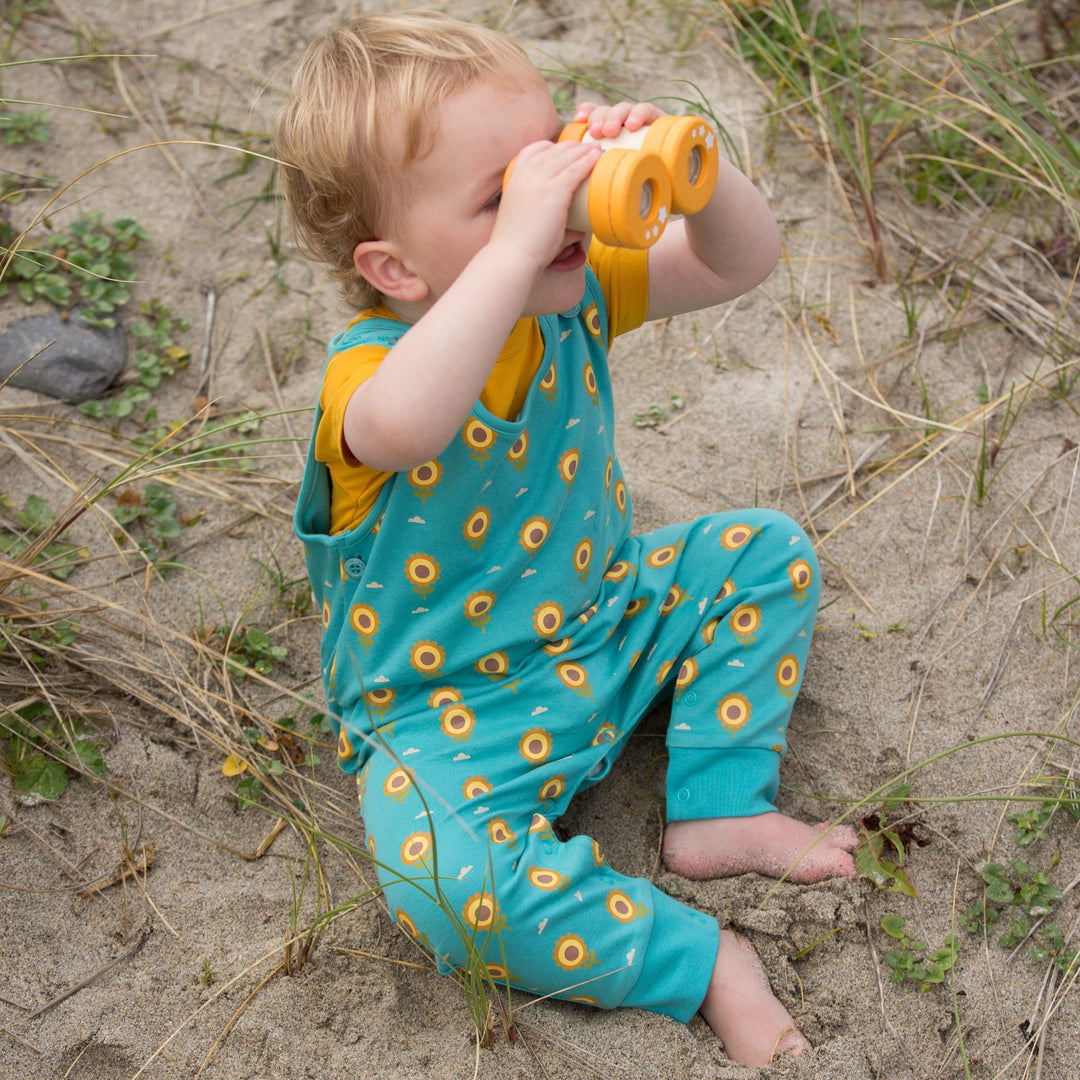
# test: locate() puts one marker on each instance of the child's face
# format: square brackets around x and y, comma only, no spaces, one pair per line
[452,195]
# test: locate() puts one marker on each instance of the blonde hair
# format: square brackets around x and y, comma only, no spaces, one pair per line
[339,175]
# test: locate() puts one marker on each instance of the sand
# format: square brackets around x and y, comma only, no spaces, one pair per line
[938,627]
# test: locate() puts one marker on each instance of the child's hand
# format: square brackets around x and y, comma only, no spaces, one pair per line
[536,199]
[606,121]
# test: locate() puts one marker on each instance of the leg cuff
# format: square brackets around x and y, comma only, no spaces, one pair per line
[703,783]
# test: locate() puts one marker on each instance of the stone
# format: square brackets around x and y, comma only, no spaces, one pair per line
[81,363]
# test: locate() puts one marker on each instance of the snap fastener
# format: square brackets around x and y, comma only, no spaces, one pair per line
[683,795]
[690,697]
[354,568]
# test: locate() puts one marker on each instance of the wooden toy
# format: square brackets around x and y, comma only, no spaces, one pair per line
[642,177]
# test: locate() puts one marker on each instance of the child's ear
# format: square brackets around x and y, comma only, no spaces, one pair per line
[378,263]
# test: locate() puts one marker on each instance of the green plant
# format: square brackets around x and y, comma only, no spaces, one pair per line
[655,415]
[40,752]
[1061,793]
[23,127]
[882,852]
[1020,893]
[88,264]
[250,647]
[157,357]
[914,959]
[57,557]
[154,511]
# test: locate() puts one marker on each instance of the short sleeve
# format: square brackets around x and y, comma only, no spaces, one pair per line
[623,274]
[355,487]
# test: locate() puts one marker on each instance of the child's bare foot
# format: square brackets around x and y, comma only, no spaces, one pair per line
[753,1026]
[772,844]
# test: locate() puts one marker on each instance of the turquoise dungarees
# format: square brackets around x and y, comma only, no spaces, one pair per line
[492,634]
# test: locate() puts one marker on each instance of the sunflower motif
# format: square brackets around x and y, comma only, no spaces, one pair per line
[416,848]
[574,677]
[665,555]
[557,648]
[325,614]
[540,877]
[535,746]
[708,631]
[745,622]
[591,315]
[571,953]
[663,671]
[549,384]
[481,912]
[457,721]
[588,613]
[398,784]
[676,596]
[609,468]
[501,973]
[635,606]
[621,908]
[548,618]
[495,665]
[479,438]
[607,733]
[688,672]
[590,383]
[476,787]
[344,746]
[423,479]
[476,527]
[597,854]
[619,571]
[620,496]
[802,577]
[478,607]
[734,536]
[726,590]
[541,827]
[787,675]
[551,788]
[380,699]
[518,454]
[442,696]
[501,833]
[583,558]
[427,658]
[569,461]
[733,712]
[533,533]
[422,572]
[364,619]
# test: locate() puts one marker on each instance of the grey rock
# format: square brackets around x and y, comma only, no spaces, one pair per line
[81,363]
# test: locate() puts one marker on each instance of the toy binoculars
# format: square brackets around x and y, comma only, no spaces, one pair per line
[642,176]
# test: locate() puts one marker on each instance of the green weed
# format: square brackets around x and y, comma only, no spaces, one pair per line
[914,960]
[57,558]
[40,752]
[24,127]
[88,264]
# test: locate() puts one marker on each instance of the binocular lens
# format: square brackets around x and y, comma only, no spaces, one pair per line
[646,200]
[694,170]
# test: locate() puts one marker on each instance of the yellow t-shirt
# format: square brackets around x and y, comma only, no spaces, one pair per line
[623,277]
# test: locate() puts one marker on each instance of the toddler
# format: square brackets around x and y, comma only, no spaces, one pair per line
[492,630]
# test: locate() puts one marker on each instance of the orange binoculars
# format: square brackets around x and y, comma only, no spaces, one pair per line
[642,177]
[668,167]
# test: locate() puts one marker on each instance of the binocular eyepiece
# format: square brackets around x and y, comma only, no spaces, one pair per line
[642,177]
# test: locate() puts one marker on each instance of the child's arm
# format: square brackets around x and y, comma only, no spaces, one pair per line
[712,256]
[411,408]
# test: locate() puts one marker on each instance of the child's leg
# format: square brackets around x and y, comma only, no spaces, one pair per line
[756,578]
